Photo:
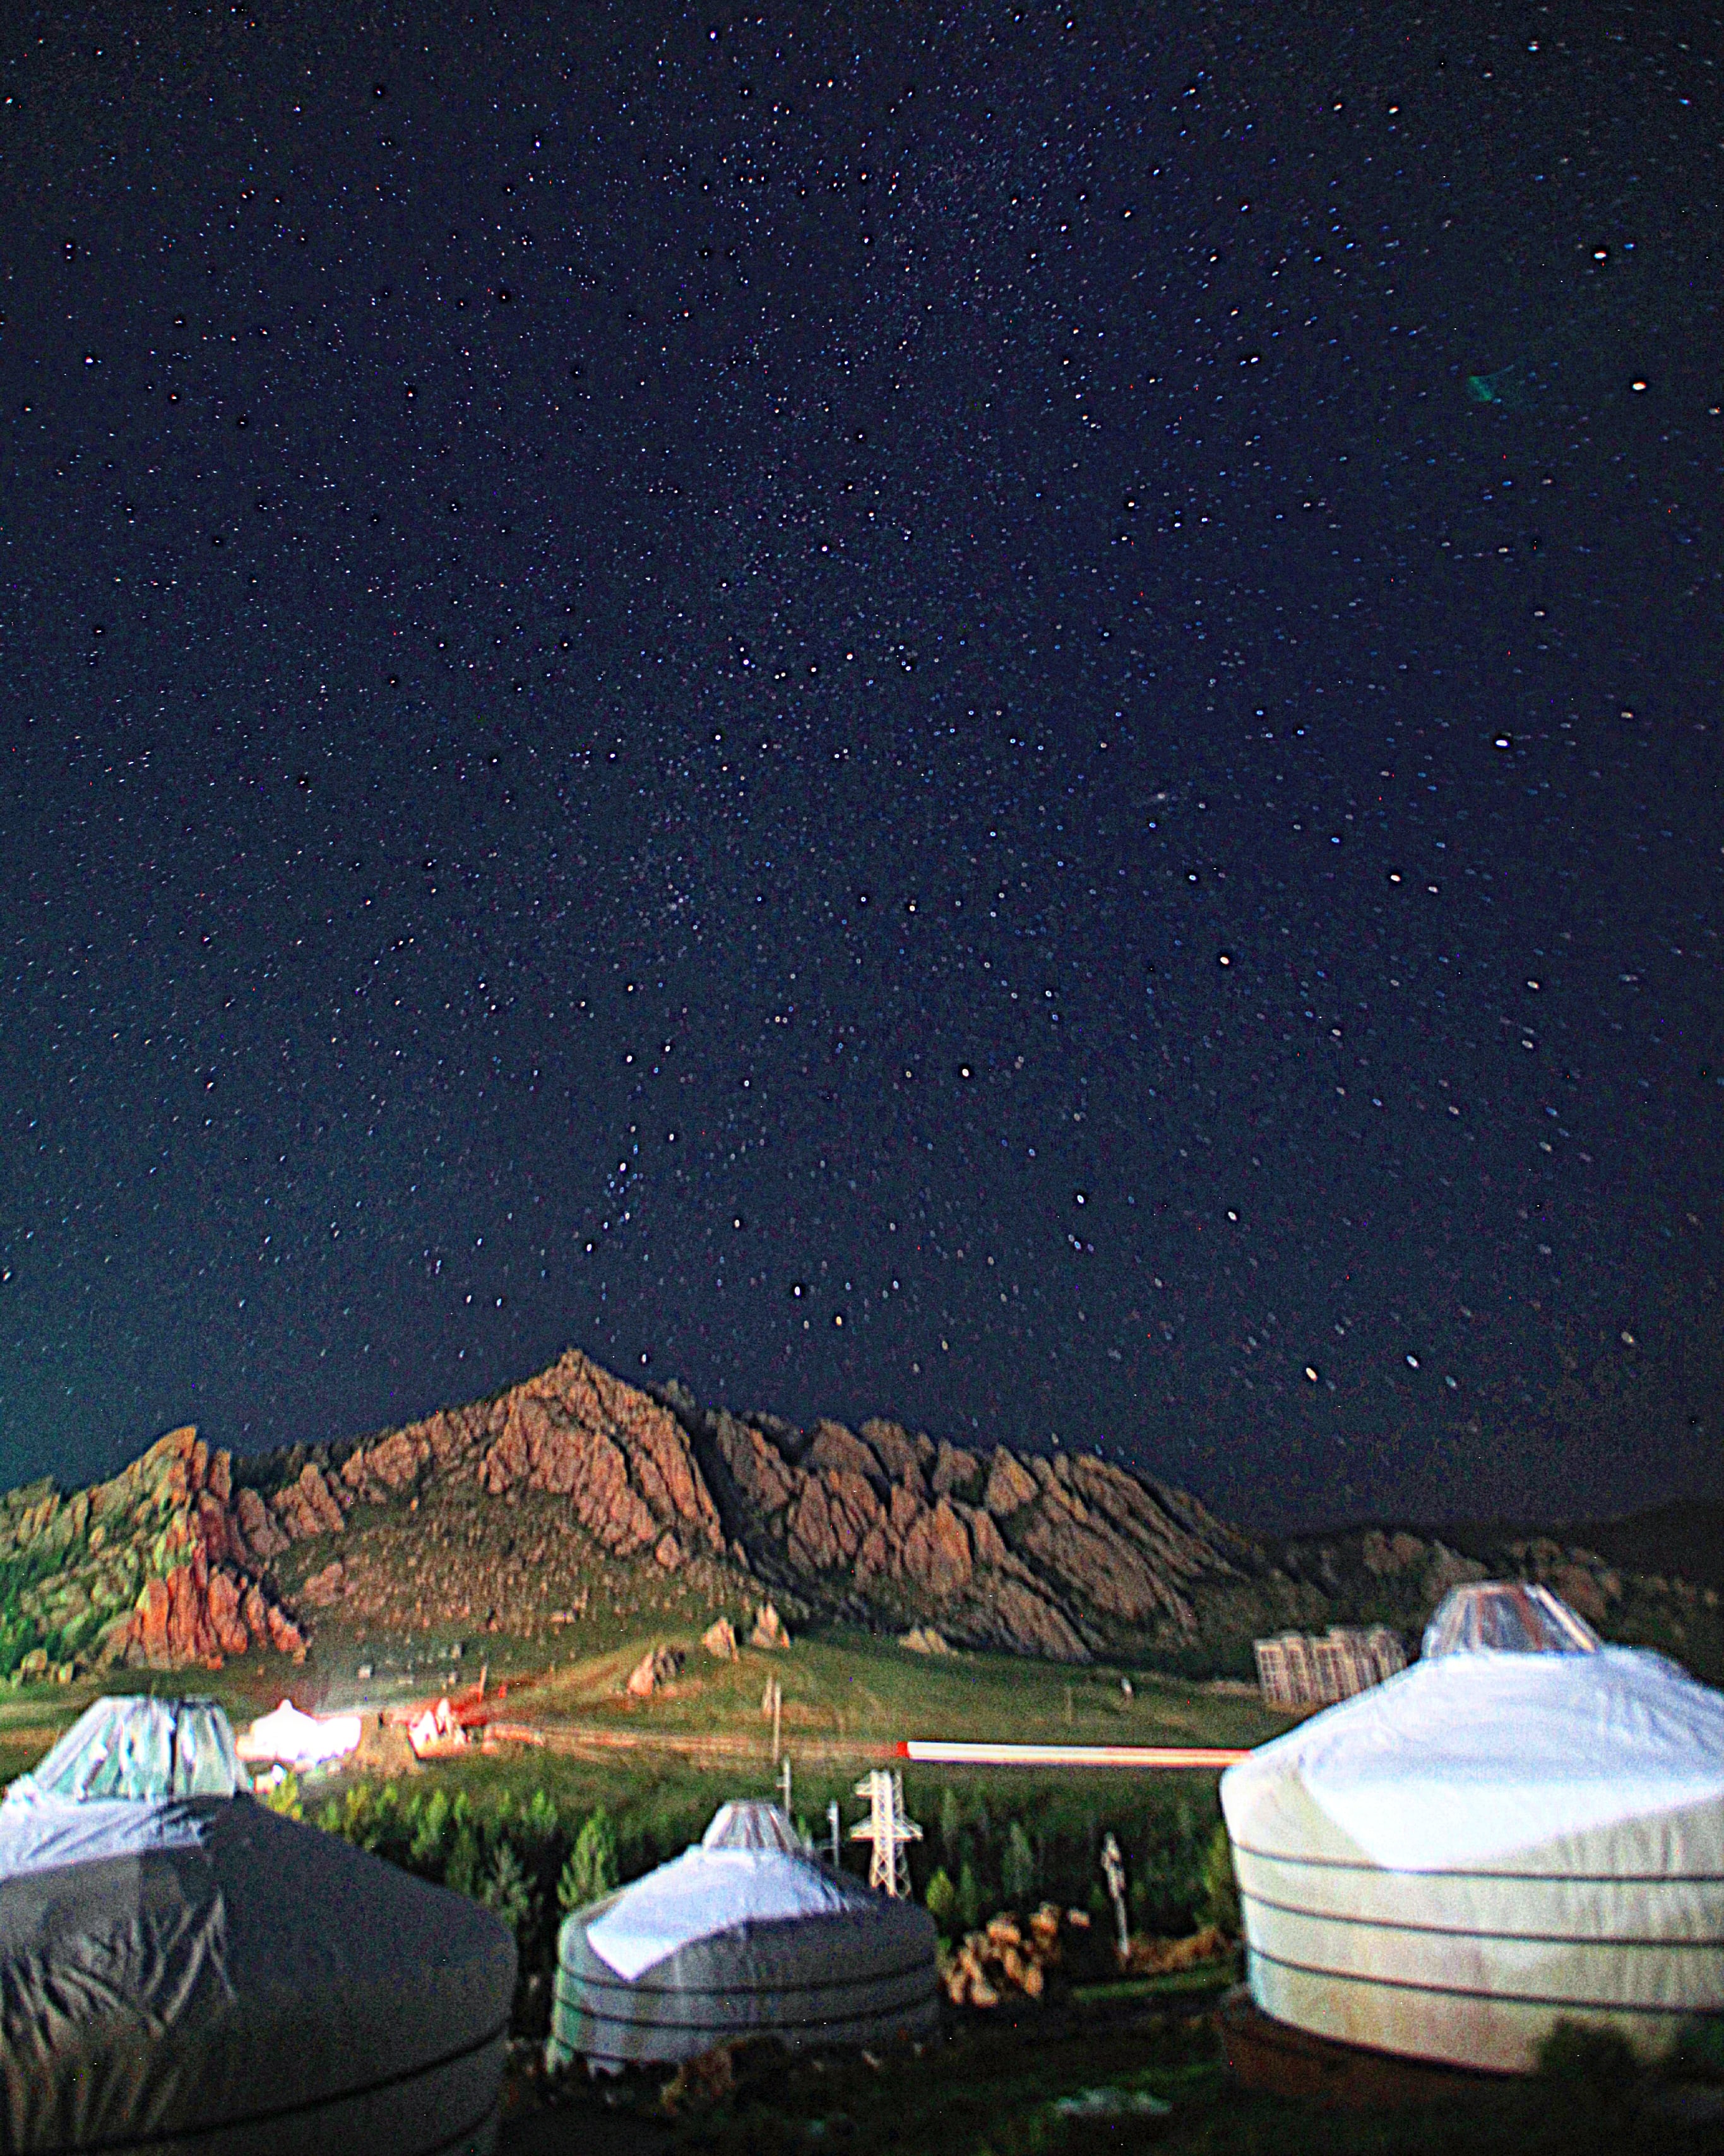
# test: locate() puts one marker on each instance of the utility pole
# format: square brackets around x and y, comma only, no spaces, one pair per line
[1113,1869]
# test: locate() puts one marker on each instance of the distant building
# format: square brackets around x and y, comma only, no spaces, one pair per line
[1307,1668]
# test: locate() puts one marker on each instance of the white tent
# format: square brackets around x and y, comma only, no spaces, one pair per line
[1502,1837]
[294,1740]
[744,1935]
[187,1972]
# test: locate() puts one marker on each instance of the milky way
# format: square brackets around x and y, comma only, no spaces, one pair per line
[1009,718]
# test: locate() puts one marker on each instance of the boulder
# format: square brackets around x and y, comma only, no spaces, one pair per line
[895,1448]
[812,1544]
[720,1640]
[308,1507]
[769,1629]
[953,1469]
[1010,1485]
[656,1668]
[834,1446]
[264,1539]
[764,1479]
[325,1588]
[936,1552]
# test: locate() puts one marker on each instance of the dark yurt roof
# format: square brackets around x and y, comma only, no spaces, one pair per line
[182,1972]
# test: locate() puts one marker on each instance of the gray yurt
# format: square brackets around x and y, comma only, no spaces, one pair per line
[182,1970]
[744,1935]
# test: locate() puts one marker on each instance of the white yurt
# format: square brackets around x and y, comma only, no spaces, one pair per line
[744,1935]
[1525,1827]
[182,1970]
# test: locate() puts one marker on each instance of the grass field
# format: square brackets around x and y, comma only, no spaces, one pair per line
[661,1766]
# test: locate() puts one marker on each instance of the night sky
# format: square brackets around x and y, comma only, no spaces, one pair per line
[1007,715]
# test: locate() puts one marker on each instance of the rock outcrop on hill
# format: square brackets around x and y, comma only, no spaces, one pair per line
[1053,1557]
[181,1557]
[1379,1575]
[155,1567]
[1037,1556]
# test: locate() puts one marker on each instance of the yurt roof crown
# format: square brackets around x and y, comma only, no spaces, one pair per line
[1507,1617]
[146,1750]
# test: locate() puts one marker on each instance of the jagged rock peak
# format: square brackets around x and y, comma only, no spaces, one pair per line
[154,1565]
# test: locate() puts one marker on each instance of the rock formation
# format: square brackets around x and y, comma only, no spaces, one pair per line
[656,1668]
[1046,1557]
[155,1567]
[770,1631]
[181,1560]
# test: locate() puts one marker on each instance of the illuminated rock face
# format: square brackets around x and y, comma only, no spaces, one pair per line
[175,1561]
[163,1565]
[171,1563]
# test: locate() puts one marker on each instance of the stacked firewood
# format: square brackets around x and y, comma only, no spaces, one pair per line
[1147,1957]
[1006,1957]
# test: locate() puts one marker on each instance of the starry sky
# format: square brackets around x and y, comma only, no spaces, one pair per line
[1005,714]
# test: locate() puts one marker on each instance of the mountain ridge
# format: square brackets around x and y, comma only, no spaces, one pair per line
[187,1556]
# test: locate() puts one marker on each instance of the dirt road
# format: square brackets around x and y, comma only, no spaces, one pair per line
[594,1741]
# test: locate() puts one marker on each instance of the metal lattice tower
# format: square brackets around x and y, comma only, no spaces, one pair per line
[889,1828]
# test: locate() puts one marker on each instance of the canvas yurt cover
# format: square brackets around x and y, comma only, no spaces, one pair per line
[1523,1828]
[182,1970]
[744,1935]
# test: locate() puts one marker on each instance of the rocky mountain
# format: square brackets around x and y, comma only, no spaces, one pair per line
[167,1563]
[878,1527]
[188,1556]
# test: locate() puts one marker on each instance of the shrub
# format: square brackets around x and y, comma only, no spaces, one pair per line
[368,1816]
[1220,1904]
[1017,1868]
[942,1900]
[1167,1878]
[285,1798]
[591,1871]
[1598,2064]
[1698,2052]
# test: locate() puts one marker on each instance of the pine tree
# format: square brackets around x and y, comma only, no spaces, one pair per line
[952,1824]
[1221,1893]
[969,1897]
[591,1871]
[506,1888]
[1017,1868]
[942,1900]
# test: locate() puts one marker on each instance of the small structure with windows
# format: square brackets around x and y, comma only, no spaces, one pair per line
[1302,1669]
